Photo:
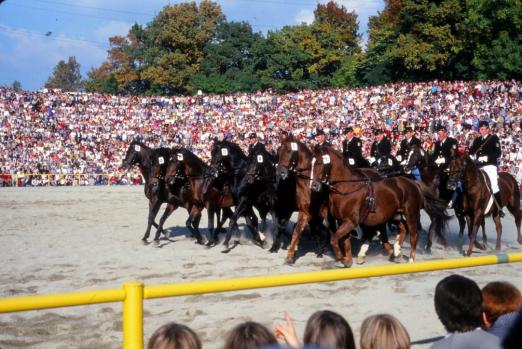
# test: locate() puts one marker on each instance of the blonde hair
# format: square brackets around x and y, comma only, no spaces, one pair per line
[383,331]
[249,335]
[174,336]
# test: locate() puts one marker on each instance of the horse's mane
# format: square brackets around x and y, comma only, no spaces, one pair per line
[193,158]
[355,171]
[235,147]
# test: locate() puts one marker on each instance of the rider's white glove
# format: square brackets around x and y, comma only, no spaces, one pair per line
[473,157]
[404,162]
[372,160]
[483,158]
[351,161]
[440,161]
[399,158]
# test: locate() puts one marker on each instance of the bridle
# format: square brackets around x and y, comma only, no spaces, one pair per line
[292,166]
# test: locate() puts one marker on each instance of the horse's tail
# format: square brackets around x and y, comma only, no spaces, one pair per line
[436,209]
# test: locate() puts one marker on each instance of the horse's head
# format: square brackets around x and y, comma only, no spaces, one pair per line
[259,167]
[158,168]
[136,154]
[224,158]
[175,173]
[288,158]
[460,162]
[416,158]
[321,168]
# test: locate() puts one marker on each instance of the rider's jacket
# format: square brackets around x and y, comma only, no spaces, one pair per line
[406,146]
[443,149]
[486,150]
[352,151]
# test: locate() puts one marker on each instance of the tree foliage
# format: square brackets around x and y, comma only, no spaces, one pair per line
[66,76]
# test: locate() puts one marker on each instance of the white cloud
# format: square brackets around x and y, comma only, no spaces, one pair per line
[112,28]
[305,16]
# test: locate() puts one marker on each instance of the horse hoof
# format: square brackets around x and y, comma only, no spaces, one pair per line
[144,242]
[520,240]
[199,242]
[361,260]
[211,244]
[289,261]
[480,246]
[273,249]
[428,250]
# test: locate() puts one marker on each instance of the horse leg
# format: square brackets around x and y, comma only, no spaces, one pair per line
[154,206]
[368,234]
[302,219]
[210,215]
[484,237]
[233,228]
[168,211]
[473,229]
[193,217]
[412,229]
[342,231]
[280,229]
[399,240]
[498,226]
[195,225]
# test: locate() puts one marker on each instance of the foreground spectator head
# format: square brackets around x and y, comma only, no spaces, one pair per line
[383,331]
[174,336]
[500,302]
[249,335]
[458,303]
[329,330]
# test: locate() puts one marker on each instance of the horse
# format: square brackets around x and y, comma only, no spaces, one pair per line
[187,169]
[436,179]
[257,188]
[140,154]
[228,165]
[354,198]
[478,200]
[293,170]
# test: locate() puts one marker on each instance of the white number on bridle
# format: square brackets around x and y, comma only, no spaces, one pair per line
[179,157]
[137,148]
[224,151]
[161,160]
[293,146]
[260,159]
[326,159]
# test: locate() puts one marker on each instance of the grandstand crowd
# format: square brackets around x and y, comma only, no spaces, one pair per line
[82,133]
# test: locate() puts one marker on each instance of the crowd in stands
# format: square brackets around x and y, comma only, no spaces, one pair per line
[84,133]
[490,318]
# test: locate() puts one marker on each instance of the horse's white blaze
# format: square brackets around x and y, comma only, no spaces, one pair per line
[179,156]
[137,148]
[161,160]
[260,159]
[363,250]
[224,151]
[326,159]
[312,173]
[293,146]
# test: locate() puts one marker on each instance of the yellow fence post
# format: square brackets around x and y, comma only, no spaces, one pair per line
[133,315]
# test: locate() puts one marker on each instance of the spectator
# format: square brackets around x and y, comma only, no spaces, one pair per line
[383,331]
[249,335]
[174,336]
[500,304]
[458,303]
[325,329]
[514,336]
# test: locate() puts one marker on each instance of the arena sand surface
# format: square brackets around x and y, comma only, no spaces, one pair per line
[65,239]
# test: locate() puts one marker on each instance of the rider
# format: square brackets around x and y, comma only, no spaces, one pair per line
[380,152]
[320,138]
[352,149]
[442,154]
[486,151]
[255,145]
[407,144]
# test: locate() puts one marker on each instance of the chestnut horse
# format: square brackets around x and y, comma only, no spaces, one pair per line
[354,198]
[477,197]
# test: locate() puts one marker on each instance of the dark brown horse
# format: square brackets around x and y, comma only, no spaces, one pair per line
[354,198]
[140,154]
[478,200]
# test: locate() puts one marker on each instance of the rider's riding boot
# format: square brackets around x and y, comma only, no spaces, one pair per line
[498,201]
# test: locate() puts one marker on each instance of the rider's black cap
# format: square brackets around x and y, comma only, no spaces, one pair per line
[483,123]
[252,135]
[319,132]
[440,128]
[348,129]
[408,129]
[378,131]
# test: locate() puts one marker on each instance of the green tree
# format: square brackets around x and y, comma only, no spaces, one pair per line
[66,76]
[17,86]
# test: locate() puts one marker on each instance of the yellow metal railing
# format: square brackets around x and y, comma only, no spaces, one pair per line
[133,293]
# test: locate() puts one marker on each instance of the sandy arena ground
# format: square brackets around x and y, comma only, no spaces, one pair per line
[56,240]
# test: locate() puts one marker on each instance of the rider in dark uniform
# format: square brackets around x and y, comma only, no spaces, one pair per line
[486,151]
[320,138]
[380,153]
[442,154]
[407,144]
[254,145]
[352,149]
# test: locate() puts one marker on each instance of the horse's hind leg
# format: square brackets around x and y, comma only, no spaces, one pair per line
[498,226]
[340,233]
[302,219]
[192,223]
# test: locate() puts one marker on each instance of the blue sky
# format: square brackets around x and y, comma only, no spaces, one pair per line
[36,34]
